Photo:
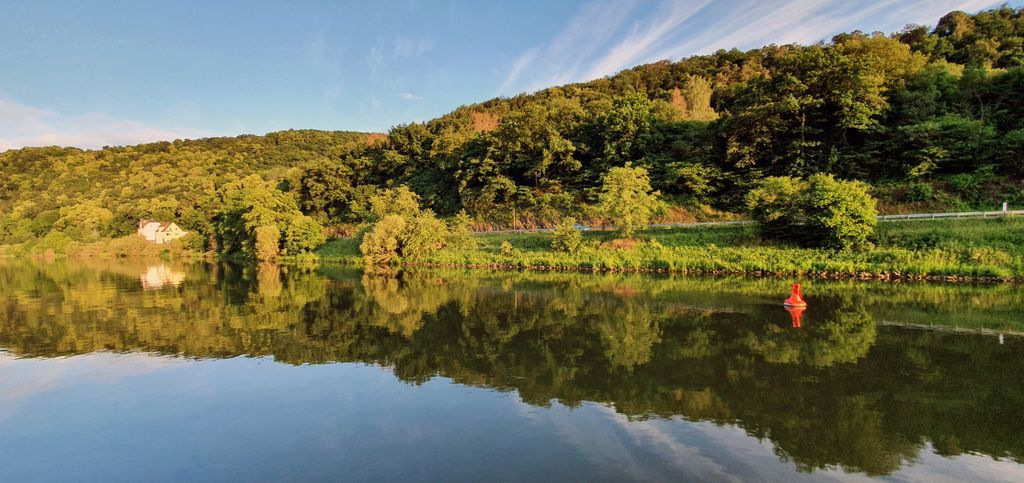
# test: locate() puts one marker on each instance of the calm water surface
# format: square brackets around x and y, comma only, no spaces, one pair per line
[167,372]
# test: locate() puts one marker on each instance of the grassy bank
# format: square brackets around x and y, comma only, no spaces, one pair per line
[990,250]
[127,247]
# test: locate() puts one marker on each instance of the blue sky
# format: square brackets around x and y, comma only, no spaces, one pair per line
[94,73]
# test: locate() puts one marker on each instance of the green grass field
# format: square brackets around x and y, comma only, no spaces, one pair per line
[990,249]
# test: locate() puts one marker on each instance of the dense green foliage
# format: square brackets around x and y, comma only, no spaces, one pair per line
[627,200]
[381,244]
[460,234]
[821,211]
[220,188]
[940,111]
[405,231]
[252,204]
[398,201]
[267,243]
[841,214]
[776,203]
[425,234]
[566,237]
[920,106]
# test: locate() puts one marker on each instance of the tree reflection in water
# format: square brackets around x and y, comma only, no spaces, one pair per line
[839,390]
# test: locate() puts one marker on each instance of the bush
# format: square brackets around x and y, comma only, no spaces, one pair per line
[777,205]
[566,237]
[192,242]
[966,184]
[84,221]
[920,192]
[137,247]
[381,243]
[395,201]
[821,211]
[697,180]
[840,214]
[627,199]
[54,243]
[507,249]
[303,235]
[253,202]
[43,223]
[459,235]
[395,236]
[268,239]
[423,234]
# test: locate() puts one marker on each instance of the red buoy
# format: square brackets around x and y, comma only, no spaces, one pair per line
[795,300]
[795,313]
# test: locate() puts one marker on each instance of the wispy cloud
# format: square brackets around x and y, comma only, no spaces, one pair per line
[605,37]
[387,59]
[645,36]
[583,37]
[407,47]
[386,50]
[322,57]
[22,125]
[809,21]
[517,68]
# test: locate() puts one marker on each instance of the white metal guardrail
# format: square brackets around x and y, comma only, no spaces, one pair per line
[903,217]
[963,214]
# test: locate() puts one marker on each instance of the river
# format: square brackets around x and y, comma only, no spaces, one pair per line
[209,372]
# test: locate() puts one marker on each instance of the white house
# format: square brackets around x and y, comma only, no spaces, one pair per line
[160,232]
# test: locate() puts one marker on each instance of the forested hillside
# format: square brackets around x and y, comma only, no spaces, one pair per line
[931,117]
[79,195]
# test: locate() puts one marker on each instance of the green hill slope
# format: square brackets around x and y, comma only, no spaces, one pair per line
[931,117]
[89,194]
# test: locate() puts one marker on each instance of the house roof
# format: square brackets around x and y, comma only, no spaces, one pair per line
[163,225]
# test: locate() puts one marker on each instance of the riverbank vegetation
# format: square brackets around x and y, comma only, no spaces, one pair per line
[990,249]
[929,118]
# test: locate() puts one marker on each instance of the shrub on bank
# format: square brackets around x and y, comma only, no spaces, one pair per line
[396,236]
[381,243]
[460,235]
[566,238]
[920,192]
[628,200]
[776,203]
[424,234]
[302,235]
[821,211]
[840,214]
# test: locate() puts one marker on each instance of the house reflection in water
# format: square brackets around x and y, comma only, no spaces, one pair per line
[159,276]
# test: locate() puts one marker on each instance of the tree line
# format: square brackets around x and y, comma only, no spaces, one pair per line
[931,116]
